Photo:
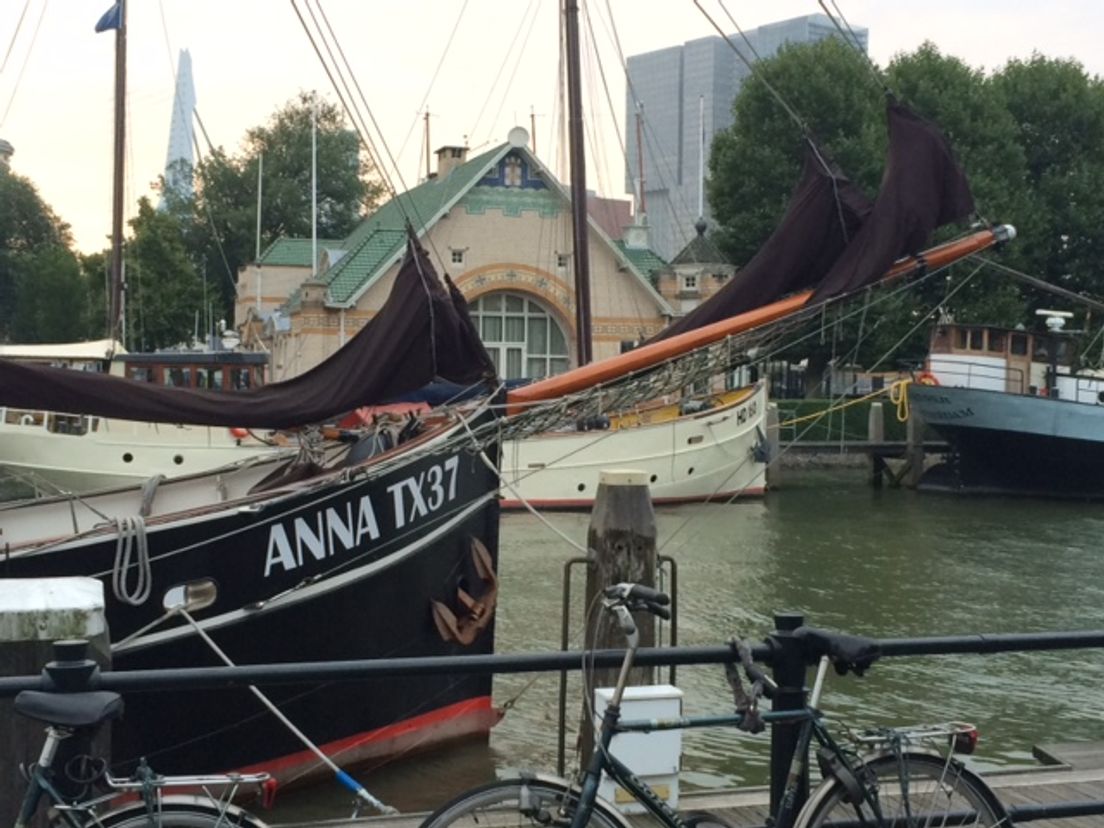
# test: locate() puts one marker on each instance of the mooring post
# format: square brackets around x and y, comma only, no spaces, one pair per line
[914,450]
[621,540]
[34,613]
[774,444]
[875,435]
[788,664]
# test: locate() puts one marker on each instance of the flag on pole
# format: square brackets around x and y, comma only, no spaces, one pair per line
[112,18]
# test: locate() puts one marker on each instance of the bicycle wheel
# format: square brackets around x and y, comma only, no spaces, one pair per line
[939,793]
[520,802]
[179,812]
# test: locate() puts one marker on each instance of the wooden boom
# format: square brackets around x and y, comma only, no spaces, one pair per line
[587,376]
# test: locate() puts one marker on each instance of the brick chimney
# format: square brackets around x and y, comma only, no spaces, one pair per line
[450,157]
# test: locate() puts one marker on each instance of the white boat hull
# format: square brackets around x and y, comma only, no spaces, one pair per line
[713,455]
[82,454]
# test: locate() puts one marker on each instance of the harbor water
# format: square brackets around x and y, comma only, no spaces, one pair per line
[881,563]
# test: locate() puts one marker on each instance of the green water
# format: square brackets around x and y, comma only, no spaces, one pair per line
[885,563]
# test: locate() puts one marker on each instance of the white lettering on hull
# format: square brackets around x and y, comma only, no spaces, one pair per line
[342,528]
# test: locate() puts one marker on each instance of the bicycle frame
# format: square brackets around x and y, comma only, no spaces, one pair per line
[603,761]
[76,815]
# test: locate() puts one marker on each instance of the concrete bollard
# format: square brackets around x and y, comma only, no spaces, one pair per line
[875,423]
[34,613]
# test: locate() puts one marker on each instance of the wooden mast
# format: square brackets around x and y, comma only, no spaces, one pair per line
[115,304]
[577,158]
[647,356]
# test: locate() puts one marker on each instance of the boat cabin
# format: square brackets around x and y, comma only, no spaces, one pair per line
[209,370]
[1011,360]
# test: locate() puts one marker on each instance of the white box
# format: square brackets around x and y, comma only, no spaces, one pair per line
[655,757]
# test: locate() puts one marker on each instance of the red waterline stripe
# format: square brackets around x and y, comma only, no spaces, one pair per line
[480,705]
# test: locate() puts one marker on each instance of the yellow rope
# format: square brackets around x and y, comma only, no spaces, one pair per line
[898,395]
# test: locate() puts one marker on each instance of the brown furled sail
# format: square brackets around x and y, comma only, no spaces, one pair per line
[420,334]
[923,187]
[824,212]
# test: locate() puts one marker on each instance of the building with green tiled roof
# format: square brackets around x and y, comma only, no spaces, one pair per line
[499,223]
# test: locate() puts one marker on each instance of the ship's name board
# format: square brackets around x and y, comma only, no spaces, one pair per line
[332,530]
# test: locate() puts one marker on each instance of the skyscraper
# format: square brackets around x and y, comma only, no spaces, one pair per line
[180,158]
[677,88]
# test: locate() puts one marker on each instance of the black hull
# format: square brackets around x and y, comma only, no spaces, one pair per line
[1014,444]
[1002,462]
[329,571]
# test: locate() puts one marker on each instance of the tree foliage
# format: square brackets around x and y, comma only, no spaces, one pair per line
[226,202]
[164,291]
[34,245]
[1030,137]
[182,257]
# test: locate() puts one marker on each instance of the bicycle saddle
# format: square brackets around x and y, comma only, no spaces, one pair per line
[69,709]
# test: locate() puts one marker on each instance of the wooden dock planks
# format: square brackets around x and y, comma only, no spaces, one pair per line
[747,807]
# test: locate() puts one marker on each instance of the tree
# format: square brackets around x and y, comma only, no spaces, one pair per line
[755,163]
[50,296]
[226,203]
[29,229]
[1030,137]
[1058,115]
[165,292]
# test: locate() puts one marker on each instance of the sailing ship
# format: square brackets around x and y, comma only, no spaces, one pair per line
[385,547]
[55,451]
[1019,414]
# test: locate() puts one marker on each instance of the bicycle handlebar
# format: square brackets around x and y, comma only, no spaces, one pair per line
[638,597]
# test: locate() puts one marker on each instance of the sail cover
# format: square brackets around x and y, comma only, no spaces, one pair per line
[422,333]
[923,187]
[824,213]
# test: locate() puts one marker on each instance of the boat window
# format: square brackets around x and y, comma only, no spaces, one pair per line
[67,424]
[141,373]
[977,339]
[960,338]
[239,377]
[18,416]
[996,341]
[179,377]
[1019,344]
[209,378]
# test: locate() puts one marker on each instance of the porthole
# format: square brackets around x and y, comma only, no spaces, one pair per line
[653,478]
[128,457]
[178,459]
[690,471]
[582,487]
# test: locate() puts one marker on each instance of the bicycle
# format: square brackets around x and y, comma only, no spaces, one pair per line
[898,780]
[139,801]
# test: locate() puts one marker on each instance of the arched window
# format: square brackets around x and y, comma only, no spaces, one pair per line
[523,339]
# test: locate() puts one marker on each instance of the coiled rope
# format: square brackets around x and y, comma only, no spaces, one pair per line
[131,550]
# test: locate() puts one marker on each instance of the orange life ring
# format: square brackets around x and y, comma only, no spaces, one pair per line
[927,378]
[239,433]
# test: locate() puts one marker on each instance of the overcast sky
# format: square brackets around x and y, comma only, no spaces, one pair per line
[480,66]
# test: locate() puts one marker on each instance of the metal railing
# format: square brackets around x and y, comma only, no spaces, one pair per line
[781,650]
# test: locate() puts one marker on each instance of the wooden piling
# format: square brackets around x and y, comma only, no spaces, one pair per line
[875,434]
[621,543]
[914,450]
[33,614]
